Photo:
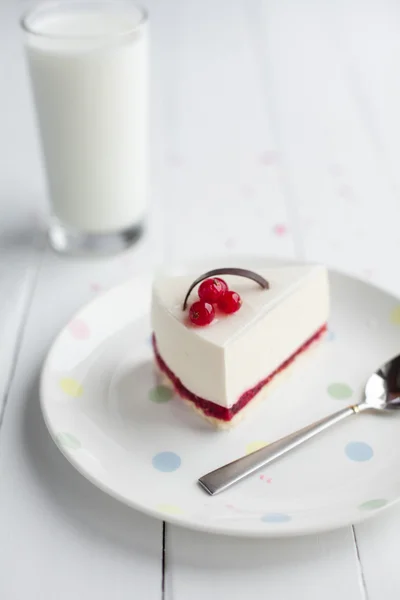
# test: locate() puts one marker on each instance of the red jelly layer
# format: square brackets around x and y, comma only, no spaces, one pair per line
[210,409]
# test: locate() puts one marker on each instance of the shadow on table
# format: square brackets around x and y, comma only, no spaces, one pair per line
[23,231]
[86,507]
[216,552]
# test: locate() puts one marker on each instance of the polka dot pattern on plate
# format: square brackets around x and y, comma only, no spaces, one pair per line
[79,329]
[339,391]
[71,387]
[276,518]
[256,445]
[359,451]
[170,509]
[395,315]
[67,440]
[373,504]
[166,462]
[160,394]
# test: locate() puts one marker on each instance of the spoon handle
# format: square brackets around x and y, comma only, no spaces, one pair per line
[222,478]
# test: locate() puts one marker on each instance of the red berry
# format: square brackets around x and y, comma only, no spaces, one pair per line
[211,290]
[230,302]
[201,313]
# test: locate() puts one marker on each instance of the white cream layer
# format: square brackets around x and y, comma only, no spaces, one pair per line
[221,361]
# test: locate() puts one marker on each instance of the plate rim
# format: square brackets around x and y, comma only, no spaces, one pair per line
[180,520]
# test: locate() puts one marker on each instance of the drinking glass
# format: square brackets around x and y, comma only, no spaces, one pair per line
[88,65]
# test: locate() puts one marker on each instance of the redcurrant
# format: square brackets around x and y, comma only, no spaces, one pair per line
[230,302]
[201,313]
[211,290]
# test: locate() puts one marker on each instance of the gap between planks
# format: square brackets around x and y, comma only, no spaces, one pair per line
[32,276]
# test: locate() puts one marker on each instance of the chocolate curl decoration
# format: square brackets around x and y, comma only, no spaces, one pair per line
[229,271]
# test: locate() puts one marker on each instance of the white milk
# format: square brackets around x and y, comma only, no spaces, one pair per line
[89,73]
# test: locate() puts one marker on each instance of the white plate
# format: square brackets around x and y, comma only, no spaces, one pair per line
[104,411]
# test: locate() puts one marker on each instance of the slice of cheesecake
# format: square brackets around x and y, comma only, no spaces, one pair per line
[224,366]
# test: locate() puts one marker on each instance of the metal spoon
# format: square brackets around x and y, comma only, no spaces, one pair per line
[382,393]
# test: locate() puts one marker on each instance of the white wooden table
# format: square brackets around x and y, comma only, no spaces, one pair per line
[265,114]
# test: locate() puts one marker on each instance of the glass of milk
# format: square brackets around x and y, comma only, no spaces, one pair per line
[88,64]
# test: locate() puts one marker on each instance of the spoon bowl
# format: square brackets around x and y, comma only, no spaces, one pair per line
[382,390]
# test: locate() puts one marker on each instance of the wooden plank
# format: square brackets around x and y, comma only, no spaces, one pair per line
[70,539]
[366,35]
[21,241]
[224,135]
[67,538]
[200,565]
[350,142]
[377,541]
